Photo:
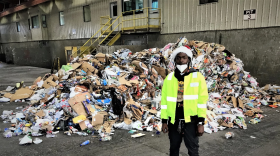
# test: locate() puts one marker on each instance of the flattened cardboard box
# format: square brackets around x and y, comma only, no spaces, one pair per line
[83,124]
[75,66]
[88,68]
[108,126]
[101,57]
[40,113]
[76,103]
[97,119]
[22,93]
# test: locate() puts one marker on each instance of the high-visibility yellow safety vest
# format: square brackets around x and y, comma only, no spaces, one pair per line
[194,99]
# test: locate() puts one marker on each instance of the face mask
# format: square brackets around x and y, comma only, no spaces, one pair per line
[182,68]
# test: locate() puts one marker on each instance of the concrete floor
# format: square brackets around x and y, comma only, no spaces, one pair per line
[266,143]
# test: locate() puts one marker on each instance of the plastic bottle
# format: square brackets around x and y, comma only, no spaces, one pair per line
[17,132]
[50,135]
[85,143]
[81,133]
[73,129]
[106,138]
[229,135]
[8,134]
[6,112]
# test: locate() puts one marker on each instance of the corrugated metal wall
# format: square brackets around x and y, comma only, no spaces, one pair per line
[73,16]
[177,16]
[189,16]
[74,21]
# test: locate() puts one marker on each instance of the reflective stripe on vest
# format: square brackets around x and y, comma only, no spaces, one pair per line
[195,84]
[163,106]
[190,97]
[171,99]
[170,76]
[201,106]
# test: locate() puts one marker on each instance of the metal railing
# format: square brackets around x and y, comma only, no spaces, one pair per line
[143,15]
[107,18]
[102,33]
[90,40]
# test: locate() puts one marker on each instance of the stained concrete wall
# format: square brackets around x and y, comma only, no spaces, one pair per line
[133,39]
[28,53]
[258,48]
[42,53]
[57,48]
[114,48]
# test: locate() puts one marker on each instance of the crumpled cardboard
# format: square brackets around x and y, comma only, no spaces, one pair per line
[97,118]
[127,121]
[40,113]
[122,80]
[161,71]
[22,93]
[139,65]
[75,66]
[49,83]
[88,68]
[108,126]
[76,103]
[83,124]
[37,80]
[102,57]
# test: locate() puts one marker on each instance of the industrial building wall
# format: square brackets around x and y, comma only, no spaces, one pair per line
[189,16]
[27,44]
[74,28]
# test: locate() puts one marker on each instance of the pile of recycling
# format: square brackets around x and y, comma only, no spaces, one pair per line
[97,94]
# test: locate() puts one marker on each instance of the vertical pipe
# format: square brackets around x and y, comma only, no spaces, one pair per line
[147,19]
[160,19]
[221,15]
[231,22]
[227,15]
[238,5]
[134,20]
[263,7]
[269,17]
[277,11]
[257,13]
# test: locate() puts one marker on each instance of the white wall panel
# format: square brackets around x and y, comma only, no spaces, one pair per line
[224,15]
[73,15]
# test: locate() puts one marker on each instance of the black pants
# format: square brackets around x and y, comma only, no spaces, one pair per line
[189,134]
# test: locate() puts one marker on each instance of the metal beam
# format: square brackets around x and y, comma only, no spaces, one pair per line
[21,7]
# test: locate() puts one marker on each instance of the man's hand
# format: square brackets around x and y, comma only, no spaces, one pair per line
[200,130]
[164,128]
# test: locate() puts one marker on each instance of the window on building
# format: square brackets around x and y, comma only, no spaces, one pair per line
[114,9]
[154,4]
[61,18]
[44,21]
[35,22]
[18,26]
[29,25]
[207,1]
[129,5]
[87,17]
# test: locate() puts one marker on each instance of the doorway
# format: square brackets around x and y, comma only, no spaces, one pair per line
[114,14]
[113,10]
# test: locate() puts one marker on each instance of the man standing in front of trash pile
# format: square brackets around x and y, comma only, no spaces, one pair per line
[183,103]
